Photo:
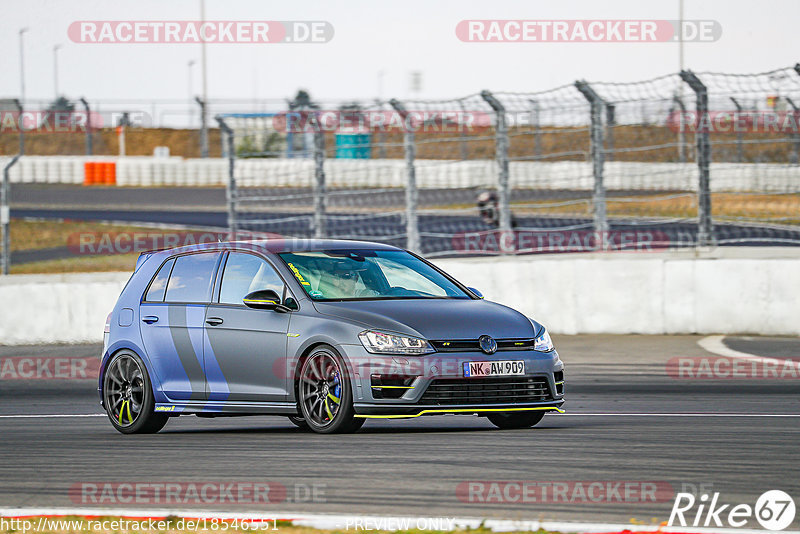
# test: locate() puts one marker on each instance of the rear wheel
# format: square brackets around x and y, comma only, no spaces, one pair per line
[128,396]
[325,395]
[515,419]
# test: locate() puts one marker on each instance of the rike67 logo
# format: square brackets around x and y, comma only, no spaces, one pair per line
[774,510]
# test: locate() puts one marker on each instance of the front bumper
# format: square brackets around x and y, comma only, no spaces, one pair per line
[408,400]
[373,411]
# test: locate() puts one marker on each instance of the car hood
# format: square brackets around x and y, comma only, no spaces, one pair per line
[434,318]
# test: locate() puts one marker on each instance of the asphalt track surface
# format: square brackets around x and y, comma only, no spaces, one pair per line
[626,420]
[377,216]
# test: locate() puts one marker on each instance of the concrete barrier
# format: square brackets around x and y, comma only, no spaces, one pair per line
[144,171]
[64,308]
[645,293]
[724,292]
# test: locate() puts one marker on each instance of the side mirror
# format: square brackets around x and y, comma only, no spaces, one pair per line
[477,293]
[291,303]
[264,299]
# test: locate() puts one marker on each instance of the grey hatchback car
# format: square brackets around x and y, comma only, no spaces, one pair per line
[328,333]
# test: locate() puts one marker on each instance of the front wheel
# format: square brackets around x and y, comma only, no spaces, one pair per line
[298,421]
[507,420]
[128,396]
[325,395]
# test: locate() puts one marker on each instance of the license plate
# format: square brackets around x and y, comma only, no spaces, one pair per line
[504,368]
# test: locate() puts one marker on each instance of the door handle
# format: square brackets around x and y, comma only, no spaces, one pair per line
[150,319]
[214,321]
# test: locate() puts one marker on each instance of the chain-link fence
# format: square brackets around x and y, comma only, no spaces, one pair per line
[681,160]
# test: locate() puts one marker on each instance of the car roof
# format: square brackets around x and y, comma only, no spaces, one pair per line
[278,245]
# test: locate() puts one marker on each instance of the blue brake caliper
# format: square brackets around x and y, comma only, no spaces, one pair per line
[337,395]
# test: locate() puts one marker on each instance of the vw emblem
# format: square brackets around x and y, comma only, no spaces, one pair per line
[487,344]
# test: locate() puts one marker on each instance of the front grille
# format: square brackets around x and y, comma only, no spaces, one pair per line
[501,390]
[472,345]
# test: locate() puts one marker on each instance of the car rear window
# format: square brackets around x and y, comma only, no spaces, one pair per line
[190,280]
[158,286]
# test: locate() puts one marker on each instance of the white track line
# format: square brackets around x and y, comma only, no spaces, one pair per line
[568,414]
[341,521]
[715,345]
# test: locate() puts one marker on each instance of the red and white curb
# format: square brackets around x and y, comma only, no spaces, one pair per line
[370,522]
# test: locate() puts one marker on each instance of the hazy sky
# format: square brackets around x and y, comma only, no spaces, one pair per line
[395,37]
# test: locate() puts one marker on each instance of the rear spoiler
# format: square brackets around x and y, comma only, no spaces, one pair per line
[142,258]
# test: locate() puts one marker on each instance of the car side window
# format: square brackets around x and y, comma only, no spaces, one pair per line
[191,278]
[159,284]
[245,273]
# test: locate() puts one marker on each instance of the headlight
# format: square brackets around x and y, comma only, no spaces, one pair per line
[383,343]
[543,343]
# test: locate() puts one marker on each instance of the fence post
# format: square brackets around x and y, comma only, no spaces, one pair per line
[319,182]
[462,139]
[796,134]
[537,130]
[739,151]
[88,126]
[21,123]
[705,230]
[203,127]
[597,106]
[682,129]
[412,195]
[5,218]
[230,190]
[794,159]
[611,121]
[501,148]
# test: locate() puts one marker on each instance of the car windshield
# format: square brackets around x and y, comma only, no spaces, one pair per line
[368,275]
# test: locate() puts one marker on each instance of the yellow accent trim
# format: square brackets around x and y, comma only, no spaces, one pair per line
[462,410]
[328,409]
[333,398]
[289,334]
[125,404]
[261,301]
[395,387]
[298,275]
[557,383]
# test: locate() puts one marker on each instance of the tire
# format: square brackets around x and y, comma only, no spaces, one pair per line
[128,396]
[509,420]
[298,421]
[323,380]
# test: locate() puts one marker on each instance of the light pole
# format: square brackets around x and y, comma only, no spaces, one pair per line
[22,66]
[21,92]
[55,69]
[203,126]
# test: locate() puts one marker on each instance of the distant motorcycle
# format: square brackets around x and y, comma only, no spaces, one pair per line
[489,209]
